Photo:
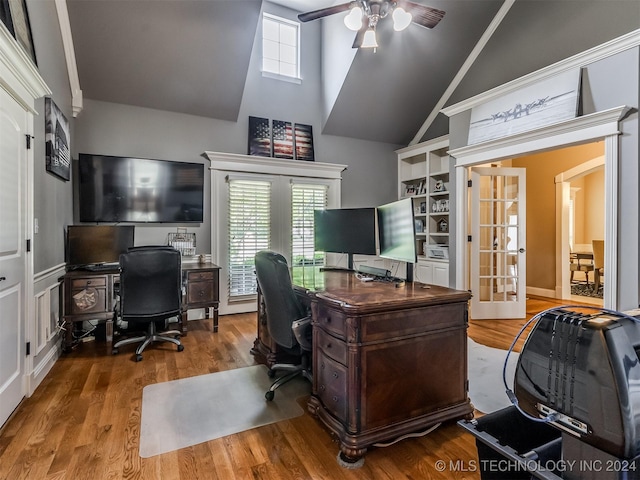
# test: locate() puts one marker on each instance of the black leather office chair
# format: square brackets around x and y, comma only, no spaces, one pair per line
[150,293]
[288,321]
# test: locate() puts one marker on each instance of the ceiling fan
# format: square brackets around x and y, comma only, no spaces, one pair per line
[365,14]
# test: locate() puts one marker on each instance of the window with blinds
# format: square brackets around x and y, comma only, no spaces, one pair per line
[305,261]
[249,232]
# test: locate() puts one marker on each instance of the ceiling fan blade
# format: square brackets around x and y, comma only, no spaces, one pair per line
[324,12]
[422,15]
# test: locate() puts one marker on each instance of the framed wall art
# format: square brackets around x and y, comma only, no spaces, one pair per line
[259,137]
[15,16]
[282,139]
[56,136]
[304,142]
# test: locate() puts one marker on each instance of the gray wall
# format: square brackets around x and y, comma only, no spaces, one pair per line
[537,33]
[113,129]
[52,195]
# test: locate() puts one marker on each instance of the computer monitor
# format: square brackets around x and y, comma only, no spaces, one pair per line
[396,233]
[96,244]
[346,230]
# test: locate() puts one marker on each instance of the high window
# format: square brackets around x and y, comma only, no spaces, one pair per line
[280,47]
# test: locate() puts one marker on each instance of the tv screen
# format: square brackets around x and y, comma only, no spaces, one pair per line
[345,230]
[396,231]
[126,189]
[94,244]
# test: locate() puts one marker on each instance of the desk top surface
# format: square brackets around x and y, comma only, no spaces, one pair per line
[347,291]
[116,269]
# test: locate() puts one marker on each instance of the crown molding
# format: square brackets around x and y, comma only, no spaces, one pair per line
[70,56]
[572,132]
[234,162]
[580,60]
[18,74]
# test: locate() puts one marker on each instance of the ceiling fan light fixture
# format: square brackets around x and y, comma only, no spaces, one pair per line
[401,19]
[353,20]
[369,39]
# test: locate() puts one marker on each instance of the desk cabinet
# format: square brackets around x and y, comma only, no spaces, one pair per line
[88,296]
[91,295]
[201,283]
[383,371]
[265,350]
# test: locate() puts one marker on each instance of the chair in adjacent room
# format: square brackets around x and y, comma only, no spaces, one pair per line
[581,262]
[150,294]
[288,321]
[598,263]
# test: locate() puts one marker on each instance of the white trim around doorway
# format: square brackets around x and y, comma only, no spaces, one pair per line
[588,128]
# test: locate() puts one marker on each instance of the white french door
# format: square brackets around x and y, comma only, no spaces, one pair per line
[253,211]
[498,243]
[13,185]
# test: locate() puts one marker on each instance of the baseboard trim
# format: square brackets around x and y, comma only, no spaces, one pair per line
[542,292]
[43,368]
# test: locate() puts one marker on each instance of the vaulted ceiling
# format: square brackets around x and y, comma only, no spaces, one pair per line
[192,56]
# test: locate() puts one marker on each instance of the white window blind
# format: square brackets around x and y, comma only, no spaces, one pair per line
[249,232]
[304,200]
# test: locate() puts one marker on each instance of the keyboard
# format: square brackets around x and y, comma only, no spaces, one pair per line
[97,267]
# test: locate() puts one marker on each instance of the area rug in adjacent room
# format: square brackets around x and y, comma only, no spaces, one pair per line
[185,412]
[486,388]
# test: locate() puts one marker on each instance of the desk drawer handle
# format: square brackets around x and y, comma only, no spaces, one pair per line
[335,399]
[335,374]
[201,293]
[2,279]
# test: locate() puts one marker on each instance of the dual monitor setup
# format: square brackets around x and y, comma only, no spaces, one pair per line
[389,228]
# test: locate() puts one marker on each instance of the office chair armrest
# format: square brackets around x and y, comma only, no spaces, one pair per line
[302,331]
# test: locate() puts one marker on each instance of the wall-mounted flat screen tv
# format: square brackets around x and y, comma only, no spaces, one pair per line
[126,189]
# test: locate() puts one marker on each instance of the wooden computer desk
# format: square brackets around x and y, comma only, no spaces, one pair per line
[91,295]
[387,361]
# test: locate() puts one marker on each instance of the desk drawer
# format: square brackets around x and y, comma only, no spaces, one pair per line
[88,300]
[332,386]
[201,292]
[330,320]
[331,346]
[196,276]
[95,282]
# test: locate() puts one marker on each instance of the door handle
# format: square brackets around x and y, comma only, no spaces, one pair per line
[521,250]
[2,278]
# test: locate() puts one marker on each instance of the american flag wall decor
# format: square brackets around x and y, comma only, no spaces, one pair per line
[304,142]
[282,139]
[259,137]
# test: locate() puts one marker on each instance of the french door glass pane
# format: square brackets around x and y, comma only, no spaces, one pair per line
[249,232]
[305,262]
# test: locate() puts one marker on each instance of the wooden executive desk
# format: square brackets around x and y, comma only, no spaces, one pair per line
[387,361]
[91,295]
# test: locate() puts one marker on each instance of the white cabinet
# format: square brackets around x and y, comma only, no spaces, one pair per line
[423,175]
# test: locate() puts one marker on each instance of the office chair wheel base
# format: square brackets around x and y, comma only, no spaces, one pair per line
[114,351]
[269,395]
[180,348]
[271,373]
[138,357]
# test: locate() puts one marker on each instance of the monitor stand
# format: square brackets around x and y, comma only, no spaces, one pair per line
[409,272]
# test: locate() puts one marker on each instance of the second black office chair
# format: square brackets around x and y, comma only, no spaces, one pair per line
[150,293]
[287,319]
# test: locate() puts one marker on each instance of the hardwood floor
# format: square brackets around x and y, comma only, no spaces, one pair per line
[83,421]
